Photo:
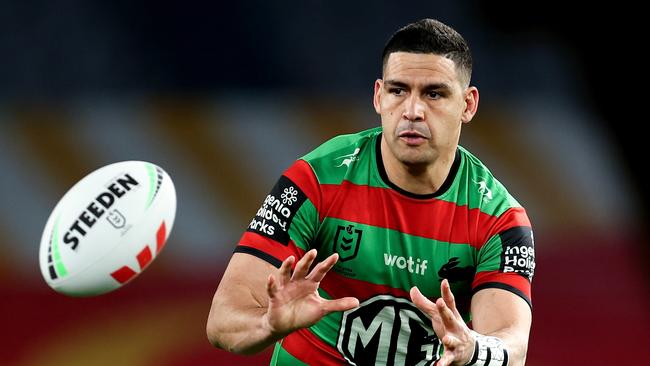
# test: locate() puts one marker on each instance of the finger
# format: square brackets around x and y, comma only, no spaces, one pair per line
[449,298]
[322,268]
[302,267]
[451,342]
[271,288]
[342,304]
[438,325]
[284,273]
[447,316]
[425,305]
[429,308]
[445,360]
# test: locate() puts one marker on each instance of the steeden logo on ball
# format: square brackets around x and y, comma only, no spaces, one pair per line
[107,228]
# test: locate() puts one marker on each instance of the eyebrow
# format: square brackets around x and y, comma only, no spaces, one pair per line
[427,87]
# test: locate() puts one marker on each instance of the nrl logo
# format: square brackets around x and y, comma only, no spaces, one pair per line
[346,242]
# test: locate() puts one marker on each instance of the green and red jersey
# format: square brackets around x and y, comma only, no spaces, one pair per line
[338,199]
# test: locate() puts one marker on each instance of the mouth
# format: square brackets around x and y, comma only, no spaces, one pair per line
[412,137]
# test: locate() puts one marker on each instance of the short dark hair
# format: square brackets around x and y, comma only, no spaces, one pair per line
[432,36]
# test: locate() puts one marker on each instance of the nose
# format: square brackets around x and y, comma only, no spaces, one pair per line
[414,109]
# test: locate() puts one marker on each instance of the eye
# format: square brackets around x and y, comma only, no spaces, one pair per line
[397,91]
[433,95]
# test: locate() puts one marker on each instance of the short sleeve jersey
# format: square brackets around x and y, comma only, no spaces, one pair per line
[338,199]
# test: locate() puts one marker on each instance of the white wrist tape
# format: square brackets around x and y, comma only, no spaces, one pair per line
[488,351]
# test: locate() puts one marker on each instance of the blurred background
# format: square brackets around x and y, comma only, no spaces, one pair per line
[225,96]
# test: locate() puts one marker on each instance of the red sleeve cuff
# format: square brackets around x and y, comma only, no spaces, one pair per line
[269,250]
[512,282]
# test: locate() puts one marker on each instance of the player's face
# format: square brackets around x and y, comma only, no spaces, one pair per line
[422,103]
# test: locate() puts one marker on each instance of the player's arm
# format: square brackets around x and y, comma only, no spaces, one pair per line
[506,316]
[256,304]
[501,322]
[235,320]
[501,311]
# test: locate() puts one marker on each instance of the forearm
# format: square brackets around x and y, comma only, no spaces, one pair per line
[502,314]
[242,331]
[515,343]
[496,344]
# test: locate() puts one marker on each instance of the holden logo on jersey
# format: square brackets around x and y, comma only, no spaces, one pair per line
[483,190]
[348,159]
[346,242]
[387,330]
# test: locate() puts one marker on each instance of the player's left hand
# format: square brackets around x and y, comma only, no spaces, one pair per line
[449,326]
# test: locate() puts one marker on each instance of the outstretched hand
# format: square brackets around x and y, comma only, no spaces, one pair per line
[294,301]
[449,326]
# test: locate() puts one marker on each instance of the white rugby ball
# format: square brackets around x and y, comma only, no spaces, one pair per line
[107,228]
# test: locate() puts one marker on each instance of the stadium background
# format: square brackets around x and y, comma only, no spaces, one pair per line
[224,97]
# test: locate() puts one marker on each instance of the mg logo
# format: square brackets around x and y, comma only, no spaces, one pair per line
[387,330]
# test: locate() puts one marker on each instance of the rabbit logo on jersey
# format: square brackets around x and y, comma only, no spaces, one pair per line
[273,219]
[387,330]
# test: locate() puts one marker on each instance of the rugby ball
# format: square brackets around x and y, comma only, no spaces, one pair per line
[107,228]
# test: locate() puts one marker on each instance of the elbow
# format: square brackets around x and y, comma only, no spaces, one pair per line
[219,339]
[517,350]
[212,332]
[519,358]
[217,336]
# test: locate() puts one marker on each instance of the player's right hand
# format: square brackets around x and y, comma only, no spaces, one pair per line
[448,325]
[294,302]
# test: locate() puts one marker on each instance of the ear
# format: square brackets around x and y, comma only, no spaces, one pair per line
[471,104]
[376,100]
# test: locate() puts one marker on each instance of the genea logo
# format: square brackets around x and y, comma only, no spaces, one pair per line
[278,209]
[387,330]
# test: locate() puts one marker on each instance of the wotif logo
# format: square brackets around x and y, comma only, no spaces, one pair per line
[417,266]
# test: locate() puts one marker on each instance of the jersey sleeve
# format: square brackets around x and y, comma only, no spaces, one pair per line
[507,259]
[287,221]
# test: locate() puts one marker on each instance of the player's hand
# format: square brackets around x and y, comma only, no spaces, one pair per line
[449,326]
[294,301]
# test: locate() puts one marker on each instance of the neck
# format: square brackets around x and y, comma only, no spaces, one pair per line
[421,179]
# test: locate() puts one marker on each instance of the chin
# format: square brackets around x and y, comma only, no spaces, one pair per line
[415,159]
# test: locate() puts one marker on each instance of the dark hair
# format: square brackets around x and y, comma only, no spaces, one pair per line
[432,36]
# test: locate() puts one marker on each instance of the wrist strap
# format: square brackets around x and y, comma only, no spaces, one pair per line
[488,351]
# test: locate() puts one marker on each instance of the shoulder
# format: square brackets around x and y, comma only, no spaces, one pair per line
[332,160]
[484,190]
[498,212]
